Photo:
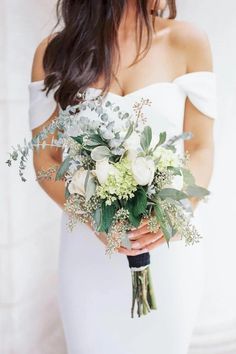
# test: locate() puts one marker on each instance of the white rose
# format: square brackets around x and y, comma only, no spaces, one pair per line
[143,170]
[103,170]
[77,184]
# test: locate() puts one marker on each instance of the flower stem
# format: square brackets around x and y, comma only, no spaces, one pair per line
[143,292]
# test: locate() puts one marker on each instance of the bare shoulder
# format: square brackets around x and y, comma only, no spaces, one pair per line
[37,72]
[194,43]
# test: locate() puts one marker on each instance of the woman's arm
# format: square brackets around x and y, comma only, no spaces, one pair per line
[50,156]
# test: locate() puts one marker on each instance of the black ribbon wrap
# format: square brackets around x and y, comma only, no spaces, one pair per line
[142,288]
[139,261]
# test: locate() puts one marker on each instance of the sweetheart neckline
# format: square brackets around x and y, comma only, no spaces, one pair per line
[160,83]
[135,91]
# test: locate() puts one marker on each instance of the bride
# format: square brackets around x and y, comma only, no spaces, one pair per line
[125,50]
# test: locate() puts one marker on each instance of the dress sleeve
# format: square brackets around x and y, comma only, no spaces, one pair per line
[41,106]
[200,88]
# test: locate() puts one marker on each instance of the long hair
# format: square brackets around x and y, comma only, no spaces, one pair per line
[85,47]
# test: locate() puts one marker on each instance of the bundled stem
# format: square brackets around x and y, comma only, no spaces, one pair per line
[143,292]
[142,287]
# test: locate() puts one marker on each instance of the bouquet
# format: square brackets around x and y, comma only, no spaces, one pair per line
[117,172]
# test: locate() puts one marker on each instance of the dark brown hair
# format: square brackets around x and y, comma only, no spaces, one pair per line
[84,49]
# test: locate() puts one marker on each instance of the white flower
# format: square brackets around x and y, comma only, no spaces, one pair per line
[132,146]
[143,170]
[103,170]
[133,142]
[77,184]
[166,158]
[131,154]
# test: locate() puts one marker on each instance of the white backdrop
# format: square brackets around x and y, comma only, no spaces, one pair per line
[29,221]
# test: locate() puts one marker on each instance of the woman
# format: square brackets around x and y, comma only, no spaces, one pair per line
[125,50]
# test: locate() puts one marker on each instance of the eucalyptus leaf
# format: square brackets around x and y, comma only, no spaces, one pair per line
[104,117]
[187,177]
[63,169]
[175,170]
[172,193]
[67,193]
[196,191]
[97,217]
[182,136]
[170,147]
[129,131]
[100,152]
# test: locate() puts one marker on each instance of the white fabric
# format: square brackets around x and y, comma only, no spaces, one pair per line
[95,297]
[200,87]
[41,106]
[95,291]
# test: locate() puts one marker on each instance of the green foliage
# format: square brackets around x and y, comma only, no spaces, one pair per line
[100,152]
[176,171]
[175,138]
[196,191]
[172,193]
[129,131]
[94,140]
[63,168]
[78,139]
[146,138]
[162,139]
[165,226]
[187,177]
[137,206]
[107,212]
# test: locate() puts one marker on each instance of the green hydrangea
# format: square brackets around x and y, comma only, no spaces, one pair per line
[120,185]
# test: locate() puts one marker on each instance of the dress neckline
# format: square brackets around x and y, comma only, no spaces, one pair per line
[155,84]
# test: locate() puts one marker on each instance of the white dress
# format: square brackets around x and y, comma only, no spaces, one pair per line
[95,291]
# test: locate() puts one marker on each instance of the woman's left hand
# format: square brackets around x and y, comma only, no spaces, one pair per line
[142,237]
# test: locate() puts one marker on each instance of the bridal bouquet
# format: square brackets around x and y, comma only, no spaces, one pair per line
[117,172]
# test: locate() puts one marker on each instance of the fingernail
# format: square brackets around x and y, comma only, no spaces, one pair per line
[131,235]
[136,245]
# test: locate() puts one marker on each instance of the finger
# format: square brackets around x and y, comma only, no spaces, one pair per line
[144,234]
[156,244]
[137,233]
[146,239]
[131,252]
[143,223]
